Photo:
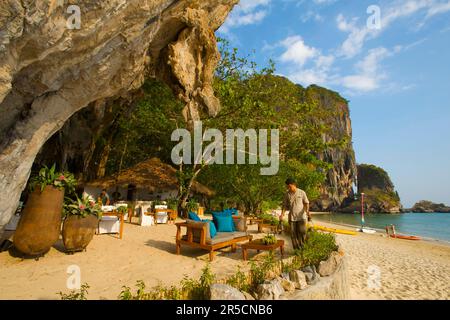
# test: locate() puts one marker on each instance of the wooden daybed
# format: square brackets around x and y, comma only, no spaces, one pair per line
[197,236]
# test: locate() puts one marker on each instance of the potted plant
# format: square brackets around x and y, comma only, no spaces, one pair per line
[122,209]
[157,202]
[40,222]
[269,239]
[192,206]
[172,204]
[80,221]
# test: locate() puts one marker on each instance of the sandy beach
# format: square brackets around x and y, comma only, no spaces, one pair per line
[408,270]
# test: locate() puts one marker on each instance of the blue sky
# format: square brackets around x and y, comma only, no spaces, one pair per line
[394,67]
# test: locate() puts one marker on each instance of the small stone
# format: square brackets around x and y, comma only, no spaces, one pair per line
[225,292]
[309,269]
[248,296]
[312,277]
[329,266]
[299,279]
[270,290]
[287,285]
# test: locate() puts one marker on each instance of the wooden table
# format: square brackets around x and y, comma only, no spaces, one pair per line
[252,220]
[272,228]
[171,214]
[118,215]
[258,245]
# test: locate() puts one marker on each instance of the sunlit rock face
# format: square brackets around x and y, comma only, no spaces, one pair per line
[337,190]
[49,71]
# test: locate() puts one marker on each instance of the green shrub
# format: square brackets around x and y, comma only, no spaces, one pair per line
[270,219]
[198,289]
[76,294]
[318,247]
[239,281]
[295,264]
[190,289]
[269,205]
[269,239]
[259,272]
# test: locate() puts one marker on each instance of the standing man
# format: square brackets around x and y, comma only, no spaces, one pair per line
[104,196]
[297,203]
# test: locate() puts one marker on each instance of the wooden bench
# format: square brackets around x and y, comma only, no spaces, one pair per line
[202,244]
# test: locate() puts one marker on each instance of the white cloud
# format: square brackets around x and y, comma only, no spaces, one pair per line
[344,25]
[297,51]
[247,12]
[438,8]
[307,65]
[324,1]
[369,73]
[250,5]
[360,82]
[358,35]
[356,38]
[311,15]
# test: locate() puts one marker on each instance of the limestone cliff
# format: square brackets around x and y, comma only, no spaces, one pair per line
[338,188]
[380,195]
[49,71]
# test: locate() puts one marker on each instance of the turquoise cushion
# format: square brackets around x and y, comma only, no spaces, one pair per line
[194,216]
[212,228]
[234,212]
[223,221]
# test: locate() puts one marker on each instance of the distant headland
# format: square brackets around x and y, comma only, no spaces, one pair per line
[426,206]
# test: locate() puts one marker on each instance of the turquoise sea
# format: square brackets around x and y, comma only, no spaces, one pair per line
[427,225]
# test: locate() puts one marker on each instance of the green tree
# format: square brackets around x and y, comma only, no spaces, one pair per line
[145,132]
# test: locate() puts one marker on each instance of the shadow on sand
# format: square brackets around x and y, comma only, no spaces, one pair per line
[196,253]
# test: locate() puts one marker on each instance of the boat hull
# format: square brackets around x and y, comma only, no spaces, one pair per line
[399,236]
[333,230]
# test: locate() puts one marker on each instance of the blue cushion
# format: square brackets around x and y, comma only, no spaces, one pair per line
[212,228]
[194,216]
[223,221]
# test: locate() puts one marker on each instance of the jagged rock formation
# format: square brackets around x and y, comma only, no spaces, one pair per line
[48,71]
[380,195]
[338,188]
[425,206]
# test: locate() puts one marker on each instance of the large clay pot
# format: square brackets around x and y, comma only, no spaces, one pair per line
[40,222]
[78,232]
